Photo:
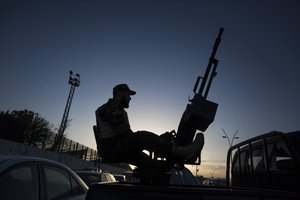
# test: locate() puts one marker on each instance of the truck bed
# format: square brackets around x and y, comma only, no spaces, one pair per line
[132,191]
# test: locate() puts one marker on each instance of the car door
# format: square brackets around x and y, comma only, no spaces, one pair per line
[20,181]
[60,184]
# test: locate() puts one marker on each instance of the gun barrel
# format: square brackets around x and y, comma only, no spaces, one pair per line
[212,61]
[217,42]
[199,113]
[196,85]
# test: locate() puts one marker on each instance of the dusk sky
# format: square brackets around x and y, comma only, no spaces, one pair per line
[158,48]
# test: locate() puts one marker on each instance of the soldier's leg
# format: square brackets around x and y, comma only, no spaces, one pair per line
[132,146]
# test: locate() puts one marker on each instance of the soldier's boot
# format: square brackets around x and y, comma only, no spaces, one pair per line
[189,151]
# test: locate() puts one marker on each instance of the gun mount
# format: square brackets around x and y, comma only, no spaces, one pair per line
[200,112]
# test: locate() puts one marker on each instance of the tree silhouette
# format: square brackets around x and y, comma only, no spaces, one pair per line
[26,127]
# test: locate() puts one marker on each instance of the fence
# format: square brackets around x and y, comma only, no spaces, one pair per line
[74,149]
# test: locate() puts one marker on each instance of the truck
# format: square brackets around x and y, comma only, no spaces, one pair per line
[270,160]
[253,171]
[263,167]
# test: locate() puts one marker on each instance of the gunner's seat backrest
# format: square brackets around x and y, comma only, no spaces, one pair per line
[97,136]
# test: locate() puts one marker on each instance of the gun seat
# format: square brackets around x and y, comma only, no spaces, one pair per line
[97,137]
[148,170]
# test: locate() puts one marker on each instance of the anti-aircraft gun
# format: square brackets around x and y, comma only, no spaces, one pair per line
[198,115]
[199,112]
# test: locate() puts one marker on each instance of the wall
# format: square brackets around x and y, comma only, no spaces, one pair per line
[13,148]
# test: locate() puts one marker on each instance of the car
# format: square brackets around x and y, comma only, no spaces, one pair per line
[177,176]
[128,175]
[182,176]
[119,177]
[199,179]
[215,182]
[90,177]
[35,178]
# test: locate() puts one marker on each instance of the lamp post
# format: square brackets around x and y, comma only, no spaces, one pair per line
[74,81]
[230,142]
[197,169]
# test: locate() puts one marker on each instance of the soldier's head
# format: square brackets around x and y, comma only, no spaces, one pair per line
[122,93]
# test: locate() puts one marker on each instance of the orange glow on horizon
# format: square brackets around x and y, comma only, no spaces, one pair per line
[209,169]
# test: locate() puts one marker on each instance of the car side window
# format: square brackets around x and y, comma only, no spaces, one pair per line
[20,182]
[245,162]
[60,184]
[76,188]
[259,160]
[279,155]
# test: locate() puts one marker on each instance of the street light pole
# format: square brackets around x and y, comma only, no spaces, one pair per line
[74,81]
[230,142]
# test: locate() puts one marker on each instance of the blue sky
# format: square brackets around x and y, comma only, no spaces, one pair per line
[158,47]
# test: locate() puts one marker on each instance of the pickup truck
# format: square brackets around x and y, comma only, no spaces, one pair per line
[264,167]
[271,160]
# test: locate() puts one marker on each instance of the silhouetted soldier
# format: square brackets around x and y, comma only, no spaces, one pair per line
[118,143]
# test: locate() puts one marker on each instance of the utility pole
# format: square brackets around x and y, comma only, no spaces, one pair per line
[74,81]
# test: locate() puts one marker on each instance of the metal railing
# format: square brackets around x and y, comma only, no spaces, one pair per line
[73,149]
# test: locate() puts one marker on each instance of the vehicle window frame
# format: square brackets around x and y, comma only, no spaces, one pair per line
[281,146]
[70,176]
[259,163]
[36,173]
[283,158]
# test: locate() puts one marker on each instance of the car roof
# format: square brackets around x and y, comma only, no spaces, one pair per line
[91,172]
[215,179]
[88,172]
[9,160]
[120,175]
[18,158]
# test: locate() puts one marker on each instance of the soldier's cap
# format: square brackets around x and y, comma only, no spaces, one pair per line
[123,87]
